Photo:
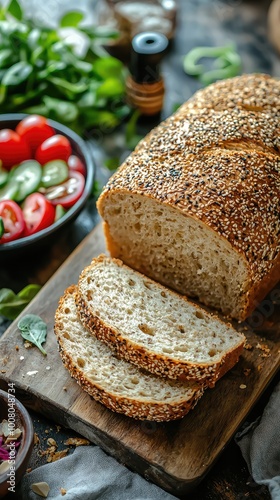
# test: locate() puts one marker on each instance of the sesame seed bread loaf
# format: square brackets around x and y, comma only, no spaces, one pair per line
[113,382]
[153,327]
[196,205]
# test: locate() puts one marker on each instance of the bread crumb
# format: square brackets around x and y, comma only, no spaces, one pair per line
[77,442]
[17,348]
[265,350]
[27,344]
[28,470]
[65,388]
[52,442]
[248,346]
[36,439]
[53,457]
[242,386]
[247,371]
[63,491]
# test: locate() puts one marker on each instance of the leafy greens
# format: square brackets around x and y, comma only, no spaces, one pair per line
[12,304]
[42,72]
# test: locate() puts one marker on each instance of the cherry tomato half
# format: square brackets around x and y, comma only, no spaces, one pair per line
[74,163]
[34,129]
[38,213]
[13,220]
[67,193]
[56,147]
[13,148]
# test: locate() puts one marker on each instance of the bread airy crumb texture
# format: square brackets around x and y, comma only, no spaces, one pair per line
[153,327]
[118,385]
[196,205]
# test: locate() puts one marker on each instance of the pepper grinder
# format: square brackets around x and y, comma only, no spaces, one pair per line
[145,85]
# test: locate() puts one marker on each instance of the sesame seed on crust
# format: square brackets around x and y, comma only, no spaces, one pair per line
[253,92]
[220,166]
[134,409]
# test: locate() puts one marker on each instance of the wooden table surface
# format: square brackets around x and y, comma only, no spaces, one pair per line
[200,22]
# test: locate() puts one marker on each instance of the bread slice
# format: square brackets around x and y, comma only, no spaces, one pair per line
[118,385]
[196,205]
[153,327]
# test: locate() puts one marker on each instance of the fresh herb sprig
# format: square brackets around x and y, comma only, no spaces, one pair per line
[42,72]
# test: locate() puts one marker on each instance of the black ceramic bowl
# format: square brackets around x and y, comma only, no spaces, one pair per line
[46,236]
[17,417]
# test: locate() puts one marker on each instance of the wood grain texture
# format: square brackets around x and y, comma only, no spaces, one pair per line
[175,455]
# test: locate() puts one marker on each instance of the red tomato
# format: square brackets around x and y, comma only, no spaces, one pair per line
[67,193]
[38,213]
[35,130]
[56,147]
[74,163]
[13,220]
[13,148]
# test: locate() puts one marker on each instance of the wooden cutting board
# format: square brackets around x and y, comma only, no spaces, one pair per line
[175,455]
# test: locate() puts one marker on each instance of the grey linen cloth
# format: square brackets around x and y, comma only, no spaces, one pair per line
[89,474]
[259,442]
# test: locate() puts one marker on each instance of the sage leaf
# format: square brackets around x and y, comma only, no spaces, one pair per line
[33,329]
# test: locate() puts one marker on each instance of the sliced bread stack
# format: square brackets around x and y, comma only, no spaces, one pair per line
[138,347]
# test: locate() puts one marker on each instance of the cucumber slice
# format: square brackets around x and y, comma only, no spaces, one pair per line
[28,176]
[3,177]
[59,212]
[9,191]
[54,172]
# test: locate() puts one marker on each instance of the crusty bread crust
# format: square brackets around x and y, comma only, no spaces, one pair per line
[251,92]
[154,411]
[158,364]
[217,160]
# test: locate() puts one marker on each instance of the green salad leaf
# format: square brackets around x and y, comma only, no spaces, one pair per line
[68,77]
[12,304]
[33,329]
[71,19]
[15,9]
